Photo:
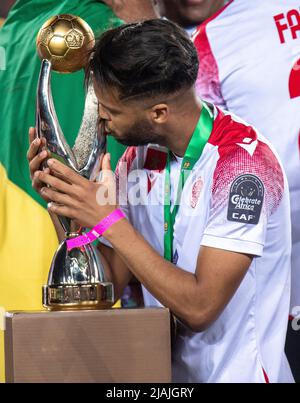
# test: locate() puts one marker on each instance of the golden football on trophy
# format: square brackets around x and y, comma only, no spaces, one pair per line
[66,41]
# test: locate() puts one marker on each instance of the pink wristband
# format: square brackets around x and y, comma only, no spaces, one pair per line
[97,231]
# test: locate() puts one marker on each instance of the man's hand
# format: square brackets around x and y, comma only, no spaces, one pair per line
[36,156]
[134,10]
[73,196]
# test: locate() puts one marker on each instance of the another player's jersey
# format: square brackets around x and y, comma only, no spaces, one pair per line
[236,199]
[250,64]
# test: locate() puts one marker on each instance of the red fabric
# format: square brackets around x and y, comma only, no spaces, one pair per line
[266,376]
[294,82]
[128,158]
[227,131]
[156,161]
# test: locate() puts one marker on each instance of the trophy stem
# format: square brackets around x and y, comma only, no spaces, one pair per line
[47,123]
[48,127]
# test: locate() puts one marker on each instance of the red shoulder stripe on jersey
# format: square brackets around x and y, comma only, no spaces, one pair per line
[227,131]
[208,82]
[235,160]
[241,152]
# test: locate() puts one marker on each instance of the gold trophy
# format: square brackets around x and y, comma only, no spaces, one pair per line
[76,279]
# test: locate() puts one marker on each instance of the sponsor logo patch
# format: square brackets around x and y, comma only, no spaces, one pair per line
[246,199]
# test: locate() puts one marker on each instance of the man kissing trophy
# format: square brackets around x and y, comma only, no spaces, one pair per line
[76,279]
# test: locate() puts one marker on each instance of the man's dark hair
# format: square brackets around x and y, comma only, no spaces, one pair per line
[154,57]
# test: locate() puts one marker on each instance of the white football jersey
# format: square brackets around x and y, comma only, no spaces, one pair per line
[236,198]
[250,65]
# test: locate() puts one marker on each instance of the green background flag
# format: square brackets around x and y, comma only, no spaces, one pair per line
[27,238]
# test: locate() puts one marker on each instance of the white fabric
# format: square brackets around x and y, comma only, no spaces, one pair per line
[246,65]
[248,338]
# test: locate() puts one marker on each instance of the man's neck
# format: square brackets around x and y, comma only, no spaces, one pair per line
[183,129]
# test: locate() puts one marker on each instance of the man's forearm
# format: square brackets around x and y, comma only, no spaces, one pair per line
[173,287]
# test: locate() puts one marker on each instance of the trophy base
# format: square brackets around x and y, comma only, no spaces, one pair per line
[76,297]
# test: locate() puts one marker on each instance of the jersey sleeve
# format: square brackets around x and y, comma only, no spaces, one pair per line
[247,189]
[208,86]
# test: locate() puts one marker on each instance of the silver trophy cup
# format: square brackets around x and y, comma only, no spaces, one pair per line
[77,278]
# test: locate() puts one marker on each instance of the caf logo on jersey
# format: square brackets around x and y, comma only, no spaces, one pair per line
[246,199]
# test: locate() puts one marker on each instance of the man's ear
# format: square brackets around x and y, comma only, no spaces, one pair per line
[160,113]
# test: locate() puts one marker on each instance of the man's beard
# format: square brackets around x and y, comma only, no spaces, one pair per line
[140,134]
